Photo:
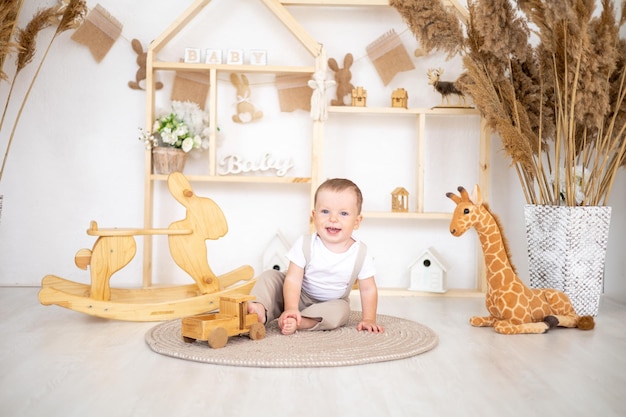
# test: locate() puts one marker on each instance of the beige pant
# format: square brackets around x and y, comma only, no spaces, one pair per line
[269,292]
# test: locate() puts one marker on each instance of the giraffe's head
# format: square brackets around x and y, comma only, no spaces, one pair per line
[465,215]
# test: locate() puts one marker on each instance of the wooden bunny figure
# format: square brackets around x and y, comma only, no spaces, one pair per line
[246,111]
[342,77]
[140,75]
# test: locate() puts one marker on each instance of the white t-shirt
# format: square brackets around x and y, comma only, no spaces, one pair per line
[328,274]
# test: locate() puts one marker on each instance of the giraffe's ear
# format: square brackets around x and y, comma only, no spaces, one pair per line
[476,197]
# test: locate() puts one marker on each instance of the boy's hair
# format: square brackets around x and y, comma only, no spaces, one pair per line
[340,184]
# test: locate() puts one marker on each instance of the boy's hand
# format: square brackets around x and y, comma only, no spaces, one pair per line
[370,326]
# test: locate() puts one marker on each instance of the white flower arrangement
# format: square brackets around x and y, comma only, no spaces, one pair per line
[185,127]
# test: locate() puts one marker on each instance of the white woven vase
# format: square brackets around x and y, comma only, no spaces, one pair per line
[567,249]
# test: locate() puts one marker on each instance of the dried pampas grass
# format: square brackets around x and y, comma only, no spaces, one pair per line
[9,11]
[65,17]
[71,15]
[433,26]
[27,37]
[550,78]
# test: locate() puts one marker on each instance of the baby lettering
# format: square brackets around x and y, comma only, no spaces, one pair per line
[233,164]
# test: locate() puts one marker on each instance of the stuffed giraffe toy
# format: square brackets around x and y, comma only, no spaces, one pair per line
[513,307]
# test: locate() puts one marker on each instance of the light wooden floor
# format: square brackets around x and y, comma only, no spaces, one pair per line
[55,362]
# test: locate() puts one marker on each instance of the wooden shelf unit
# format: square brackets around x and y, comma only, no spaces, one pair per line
[212,176]
[248,69]
[239,179]
[153,65]
[421,115]
[316,50]
[409,215]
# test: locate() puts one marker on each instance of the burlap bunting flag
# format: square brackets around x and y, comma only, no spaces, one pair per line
[191,86]
[98,32]
[294,92]
[389,56]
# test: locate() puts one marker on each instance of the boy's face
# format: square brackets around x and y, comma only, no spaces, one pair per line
[336,215]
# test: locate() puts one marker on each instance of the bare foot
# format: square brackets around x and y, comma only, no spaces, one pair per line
[289,326]
[258,309]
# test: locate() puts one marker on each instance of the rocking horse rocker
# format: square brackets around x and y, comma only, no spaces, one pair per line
[513,307]
[115,248]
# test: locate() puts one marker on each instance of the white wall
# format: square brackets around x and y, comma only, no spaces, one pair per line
[75,157]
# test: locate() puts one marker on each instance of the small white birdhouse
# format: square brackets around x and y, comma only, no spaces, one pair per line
[428,273]
[275,255]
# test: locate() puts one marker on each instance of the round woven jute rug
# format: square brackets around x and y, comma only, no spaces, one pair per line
[340,347]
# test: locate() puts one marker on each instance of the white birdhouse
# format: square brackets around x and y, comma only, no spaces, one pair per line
[275,255]
[428,273]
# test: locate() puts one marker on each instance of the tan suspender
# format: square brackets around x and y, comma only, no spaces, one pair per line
[358,263]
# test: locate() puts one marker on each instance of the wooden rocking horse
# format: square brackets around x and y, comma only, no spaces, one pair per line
[115,248]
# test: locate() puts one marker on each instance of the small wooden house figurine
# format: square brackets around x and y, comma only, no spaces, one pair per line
[359,97]
[275,255]
[400,98]
[428,273]
[400,200]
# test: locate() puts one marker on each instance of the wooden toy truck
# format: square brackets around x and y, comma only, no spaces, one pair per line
[232,320]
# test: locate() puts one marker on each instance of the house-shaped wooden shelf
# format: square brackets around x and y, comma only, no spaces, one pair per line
[318,65]
[153,65]
[314,49]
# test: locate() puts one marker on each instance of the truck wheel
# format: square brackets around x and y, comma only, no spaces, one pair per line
[257,331]
[188,339]
[218,338]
